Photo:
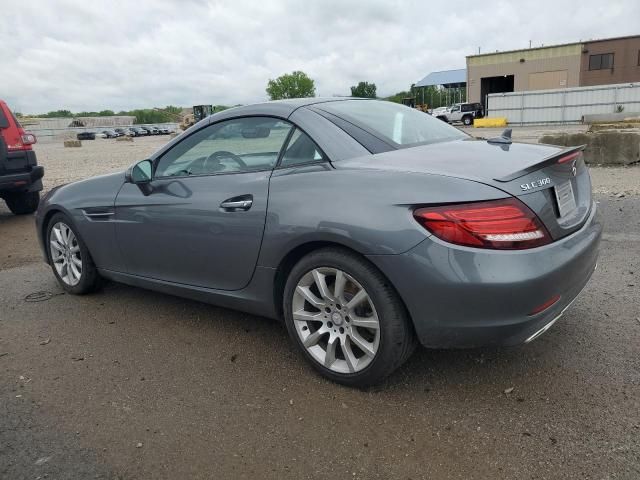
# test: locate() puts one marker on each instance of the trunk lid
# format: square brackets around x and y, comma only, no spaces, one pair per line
[552,181]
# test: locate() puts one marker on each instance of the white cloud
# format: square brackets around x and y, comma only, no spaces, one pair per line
[124,54]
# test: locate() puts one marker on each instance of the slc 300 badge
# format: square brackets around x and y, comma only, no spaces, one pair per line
[535,184]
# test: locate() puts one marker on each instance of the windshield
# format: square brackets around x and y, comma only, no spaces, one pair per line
[394,123]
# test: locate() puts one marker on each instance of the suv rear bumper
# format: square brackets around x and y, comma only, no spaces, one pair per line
[29,180]
[468,297]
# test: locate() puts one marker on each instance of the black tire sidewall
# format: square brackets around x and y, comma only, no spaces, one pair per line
[23,203]
[89,278]
[394,321]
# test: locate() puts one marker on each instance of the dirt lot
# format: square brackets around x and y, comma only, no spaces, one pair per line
[131,384]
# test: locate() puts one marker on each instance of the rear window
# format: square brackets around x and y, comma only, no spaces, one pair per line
[4,121]
[15,119]
[394,123]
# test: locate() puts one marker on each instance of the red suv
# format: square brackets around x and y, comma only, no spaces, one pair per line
[20,174]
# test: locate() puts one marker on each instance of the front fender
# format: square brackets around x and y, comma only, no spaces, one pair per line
[77,199]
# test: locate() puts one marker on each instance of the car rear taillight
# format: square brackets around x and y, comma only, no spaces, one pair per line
[18,140]
[506,224]
[28,138]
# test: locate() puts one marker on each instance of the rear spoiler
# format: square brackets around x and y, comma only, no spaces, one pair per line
[544,163]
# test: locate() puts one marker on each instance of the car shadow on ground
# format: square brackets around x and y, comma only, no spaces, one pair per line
[427,369]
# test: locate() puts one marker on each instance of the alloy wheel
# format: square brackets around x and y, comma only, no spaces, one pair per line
[336,320]
[65,254]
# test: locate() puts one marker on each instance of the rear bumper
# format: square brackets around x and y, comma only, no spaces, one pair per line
[466,297]
[29,180]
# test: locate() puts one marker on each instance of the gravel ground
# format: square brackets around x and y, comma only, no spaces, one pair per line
[131,384]
[95,157]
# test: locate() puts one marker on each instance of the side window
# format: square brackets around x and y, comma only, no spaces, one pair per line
[232,146]
[301,149]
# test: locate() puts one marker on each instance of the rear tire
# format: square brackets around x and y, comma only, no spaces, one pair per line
[467,120]
[70,259]
[22,203]
[355,334]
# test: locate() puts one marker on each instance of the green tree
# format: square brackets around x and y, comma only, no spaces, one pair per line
[106,113]
[58,113]
[364,90]
[172,109]
[397,97]
[291,85]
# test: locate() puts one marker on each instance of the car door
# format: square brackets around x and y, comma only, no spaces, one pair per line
[201,219]
[455,114]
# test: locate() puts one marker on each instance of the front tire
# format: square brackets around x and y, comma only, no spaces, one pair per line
[70,259]
[23,203]
[346,318]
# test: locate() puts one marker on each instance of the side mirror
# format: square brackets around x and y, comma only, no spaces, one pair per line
[140,174]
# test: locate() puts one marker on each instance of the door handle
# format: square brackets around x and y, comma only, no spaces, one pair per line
[237,203]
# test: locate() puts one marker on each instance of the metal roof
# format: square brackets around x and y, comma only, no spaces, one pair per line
[446,77]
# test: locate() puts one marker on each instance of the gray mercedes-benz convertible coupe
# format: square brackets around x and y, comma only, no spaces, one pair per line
[366,225]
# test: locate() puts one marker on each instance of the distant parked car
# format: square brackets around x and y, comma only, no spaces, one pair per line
[100,135]
[86,136]
[163,130]
[110,133]
[151,129]
[138,132]
[462,112]
[440,112]
[124,131]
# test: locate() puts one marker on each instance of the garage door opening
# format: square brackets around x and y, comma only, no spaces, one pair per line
[501,84]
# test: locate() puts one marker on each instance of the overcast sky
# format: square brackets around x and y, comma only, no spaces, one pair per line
[119,55]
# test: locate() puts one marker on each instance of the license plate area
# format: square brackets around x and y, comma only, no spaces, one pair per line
[565,198]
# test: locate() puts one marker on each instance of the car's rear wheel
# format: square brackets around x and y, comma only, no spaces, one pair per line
[71,261]
[346,318]
[467,120]
[22,203]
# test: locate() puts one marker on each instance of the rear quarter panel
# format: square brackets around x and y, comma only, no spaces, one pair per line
[367,210]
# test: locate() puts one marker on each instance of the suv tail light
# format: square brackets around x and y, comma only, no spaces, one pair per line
[28,138]
[18,139]
[506,224]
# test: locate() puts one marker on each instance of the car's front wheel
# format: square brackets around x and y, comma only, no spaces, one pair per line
[346,318]
[71,261]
